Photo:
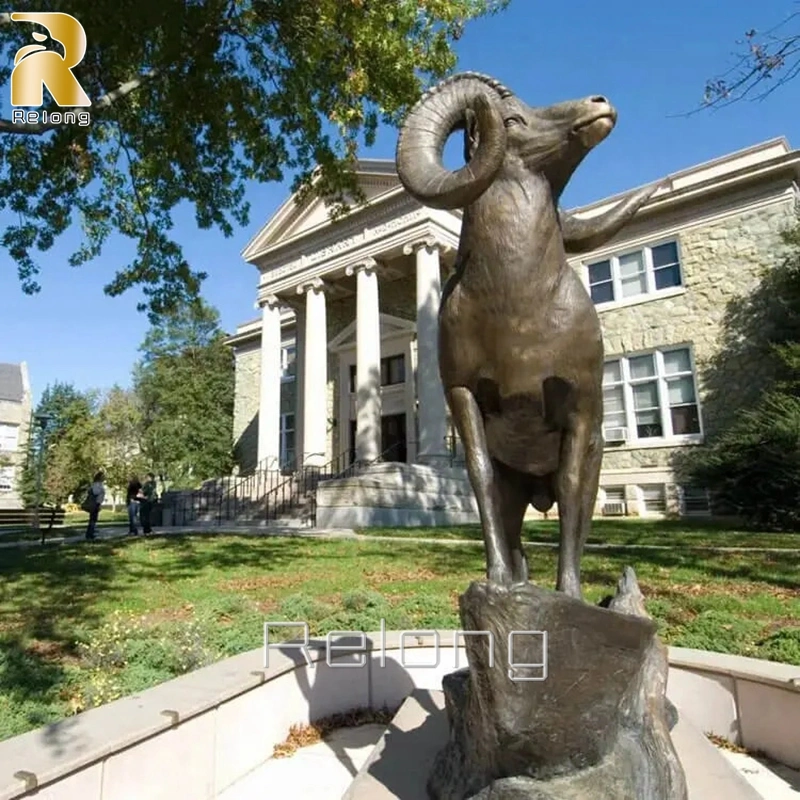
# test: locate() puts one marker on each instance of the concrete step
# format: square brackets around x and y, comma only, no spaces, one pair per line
[398,767]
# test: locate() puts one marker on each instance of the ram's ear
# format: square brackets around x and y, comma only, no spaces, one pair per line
[471,134]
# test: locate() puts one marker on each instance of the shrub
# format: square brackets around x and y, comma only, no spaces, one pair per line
[754,467]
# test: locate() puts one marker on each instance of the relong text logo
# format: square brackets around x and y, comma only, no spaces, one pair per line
[517,671]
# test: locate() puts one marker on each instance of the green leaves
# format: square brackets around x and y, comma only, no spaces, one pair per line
[216,94]
[177,420]
[185,383]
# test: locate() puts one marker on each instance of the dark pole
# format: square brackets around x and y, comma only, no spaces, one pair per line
[39,467]
[42,420]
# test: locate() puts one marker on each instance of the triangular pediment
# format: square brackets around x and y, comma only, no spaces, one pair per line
[376,177]
[390,326]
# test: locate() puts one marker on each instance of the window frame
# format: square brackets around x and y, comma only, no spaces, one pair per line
[286,346]
[11,427]
[647,511]
[668,437]
[283,430]
[352,372]
[651,292]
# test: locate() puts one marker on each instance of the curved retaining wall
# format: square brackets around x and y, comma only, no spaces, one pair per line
[196,735]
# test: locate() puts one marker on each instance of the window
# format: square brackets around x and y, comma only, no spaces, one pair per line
[393,372]
[614,494]
[655,498]
[695,501]
[650,396]
[614,501]
[6,479]
[288,362]
[643,272]
[287,440]
[9,437]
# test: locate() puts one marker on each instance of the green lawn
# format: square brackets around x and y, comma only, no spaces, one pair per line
[81,625]
[692,533]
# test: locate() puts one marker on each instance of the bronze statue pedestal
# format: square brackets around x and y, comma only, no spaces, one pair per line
[589,722]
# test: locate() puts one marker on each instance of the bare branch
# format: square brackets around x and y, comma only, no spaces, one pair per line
[38,128]
[765,57]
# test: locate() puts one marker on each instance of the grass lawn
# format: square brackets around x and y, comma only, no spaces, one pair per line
[693,533]
[74,524]
[84,624]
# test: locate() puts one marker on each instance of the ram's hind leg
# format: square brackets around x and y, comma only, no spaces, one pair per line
[482,474]
[576,490]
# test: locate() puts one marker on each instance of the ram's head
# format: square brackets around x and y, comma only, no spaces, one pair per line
[501,134]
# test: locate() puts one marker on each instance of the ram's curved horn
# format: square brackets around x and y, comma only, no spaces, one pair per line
[435,116]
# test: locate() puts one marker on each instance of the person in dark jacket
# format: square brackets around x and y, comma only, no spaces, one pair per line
[132,498]
[97,494]
[149,499]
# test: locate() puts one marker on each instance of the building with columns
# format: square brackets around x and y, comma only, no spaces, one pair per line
[341,362]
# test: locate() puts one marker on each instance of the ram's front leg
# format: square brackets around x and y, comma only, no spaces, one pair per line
[469,423]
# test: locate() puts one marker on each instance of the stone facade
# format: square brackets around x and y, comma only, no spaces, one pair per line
[726,218]
[397,297]
[15,412]
[722,263]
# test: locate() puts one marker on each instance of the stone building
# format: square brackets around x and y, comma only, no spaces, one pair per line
[15,415]
[342,361]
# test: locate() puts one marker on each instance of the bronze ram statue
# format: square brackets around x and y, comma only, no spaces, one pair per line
[520,344]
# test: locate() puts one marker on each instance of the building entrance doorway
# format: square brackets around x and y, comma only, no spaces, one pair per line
[393,438]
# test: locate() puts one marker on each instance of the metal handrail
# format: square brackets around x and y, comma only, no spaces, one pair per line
[259,489]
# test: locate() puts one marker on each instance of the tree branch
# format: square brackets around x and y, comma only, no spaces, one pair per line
[38,128]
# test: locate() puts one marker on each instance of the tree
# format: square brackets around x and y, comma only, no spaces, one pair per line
[185,384]
[191,101]
[70,413]
[752,466]
[120,423]
[74,457]
[765,61]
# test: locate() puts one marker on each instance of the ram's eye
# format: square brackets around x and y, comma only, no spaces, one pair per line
[511,121]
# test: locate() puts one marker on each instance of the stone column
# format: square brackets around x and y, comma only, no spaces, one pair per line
[299,380]
[315,374]
[368,361]
[269,404]
[432,411]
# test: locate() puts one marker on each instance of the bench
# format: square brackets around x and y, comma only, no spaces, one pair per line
[16,518]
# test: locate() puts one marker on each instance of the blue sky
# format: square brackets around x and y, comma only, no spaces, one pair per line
[651,60]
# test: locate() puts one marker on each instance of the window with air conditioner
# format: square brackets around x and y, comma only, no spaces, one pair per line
[651,396]
[614,501]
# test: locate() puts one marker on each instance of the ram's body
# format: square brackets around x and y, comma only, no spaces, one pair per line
[520,344]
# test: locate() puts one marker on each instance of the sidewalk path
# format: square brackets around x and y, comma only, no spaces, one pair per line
[345,533]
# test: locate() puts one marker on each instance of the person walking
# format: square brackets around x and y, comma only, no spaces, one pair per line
[147,503]
[93,503]
[132,498]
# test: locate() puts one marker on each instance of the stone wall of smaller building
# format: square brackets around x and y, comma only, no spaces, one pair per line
[722,264]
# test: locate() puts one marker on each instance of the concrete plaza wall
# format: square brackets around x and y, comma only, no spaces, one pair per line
[197,735]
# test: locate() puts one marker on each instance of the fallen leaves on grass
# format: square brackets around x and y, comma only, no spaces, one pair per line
[378,577]
[159,616]
[303,735]
[257,582]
